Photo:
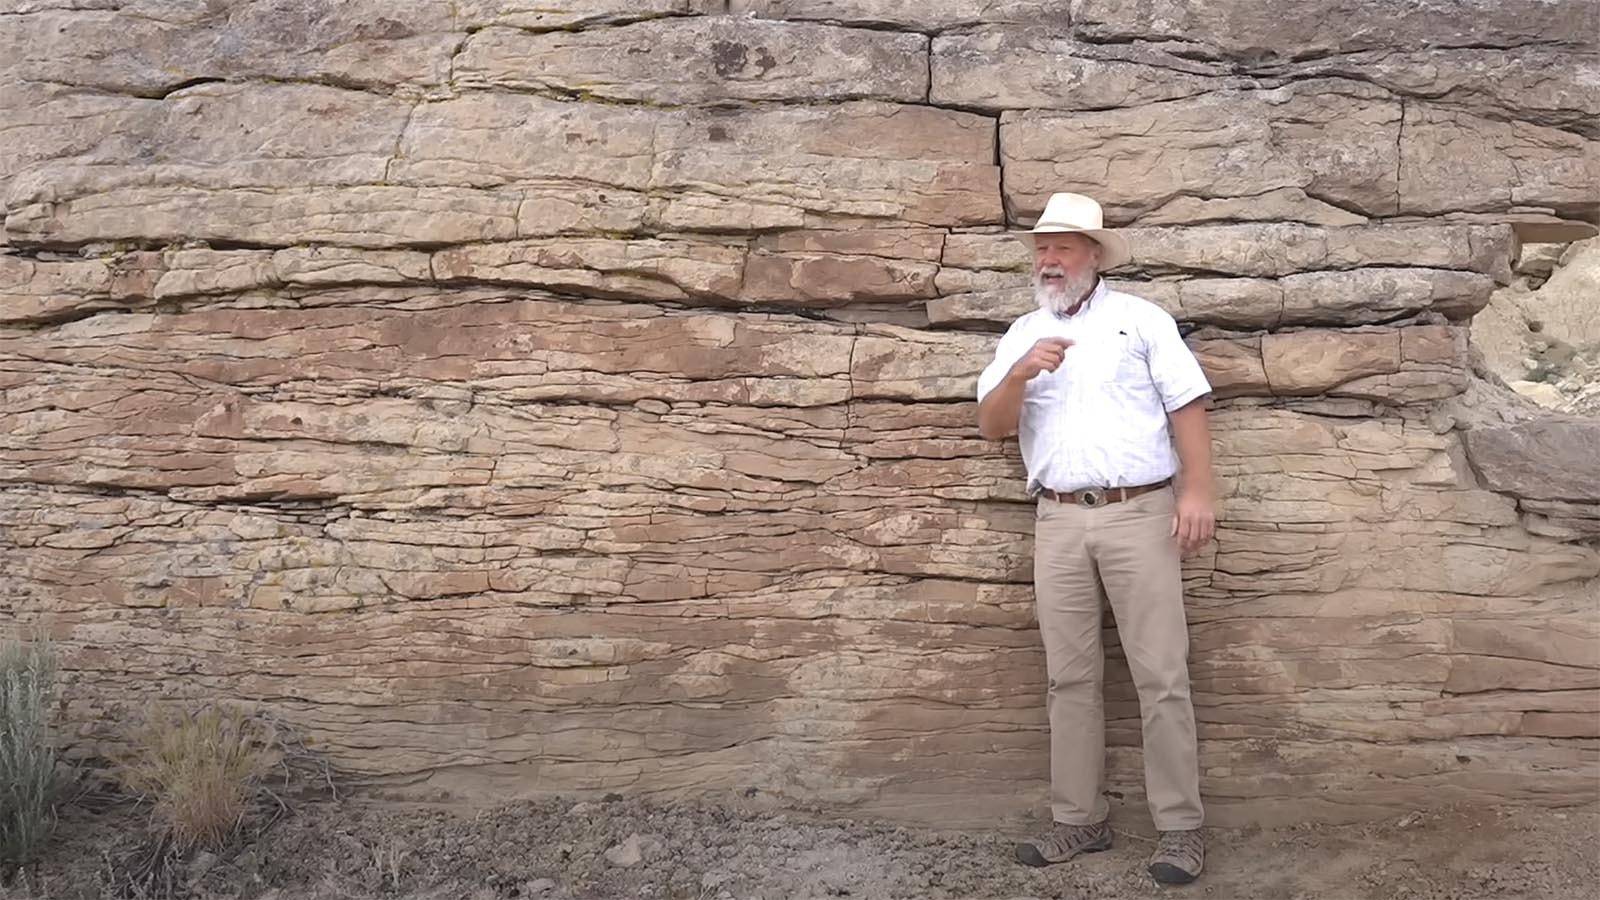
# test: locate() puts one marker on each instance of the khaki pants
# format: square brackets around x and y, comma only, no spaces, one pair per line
[1123,552]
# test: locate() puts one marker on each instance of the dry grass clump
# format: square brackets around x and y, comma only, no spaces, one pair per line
[202,769]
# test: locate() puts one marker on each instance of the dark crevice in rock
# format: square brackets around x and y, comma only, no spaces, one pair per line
[1343,205]
[1400,160]
[865,25]
[1246,60]
[247,504]
[1174,271]
[166,92]
[850,373]
[49,321]
[1582,44]
[618,21]
[183,85]
[997,111]
[39,254]
[400,141]
[455,56]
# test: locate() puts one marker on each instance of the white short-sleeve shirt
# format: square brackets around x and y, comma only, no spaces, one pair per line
[1100,420]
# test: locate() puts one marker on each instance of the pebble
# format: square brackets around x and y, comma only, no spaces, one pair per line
[635,849]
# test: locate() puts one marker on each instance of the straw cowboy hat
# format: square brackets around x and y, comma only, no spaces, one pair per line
[1077,214]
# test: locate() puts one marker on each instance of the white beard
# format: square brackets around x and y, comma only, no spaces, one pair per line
[1059,298]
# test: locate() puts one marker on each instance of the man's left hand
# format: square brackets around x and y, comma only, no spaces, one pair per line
[1195,521]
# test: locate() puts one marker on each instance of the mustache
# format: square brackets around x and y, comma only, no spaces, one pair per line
[1066,280]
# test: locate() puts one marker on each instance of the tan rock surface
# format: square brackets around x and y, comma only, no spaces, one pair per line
[1353,297]
[520,398]
[1567,305]
[39,122]
[1546,460]
[1540,85]
[660,270]
[1271,250]
[1225,144]
[1254,29]
[700,60]
[1512,165]
[1011,69]
[1283,249]
[453,171]
[151,47]
[43,290]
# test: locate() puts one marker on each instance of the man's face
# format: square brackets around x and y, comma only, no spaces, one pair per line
[1064,269]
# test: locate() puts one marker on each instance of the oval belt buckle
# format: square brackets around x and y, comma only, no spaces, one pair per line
[1090,498]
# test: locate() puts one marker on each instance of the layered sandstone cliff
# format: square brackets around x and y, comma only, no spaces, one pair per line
[563,397]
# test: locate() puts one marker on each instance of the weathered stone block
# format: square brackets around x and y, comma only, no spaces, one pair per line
[1032,68]
[1333,140]
[1312,361]
[454,172]
[1453,161]
[152,47]
[701,60]
[1541,85]
[643,269]
[1552,459]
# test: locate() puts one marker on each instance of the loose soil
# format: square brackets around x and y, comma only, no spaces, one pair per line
[628,848]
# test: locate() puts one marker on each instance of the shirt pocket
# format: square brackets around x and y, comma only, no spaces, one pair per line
[1104,358]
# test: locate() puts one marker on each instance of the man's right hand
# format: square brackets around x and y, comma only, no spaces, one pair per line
[1044,356]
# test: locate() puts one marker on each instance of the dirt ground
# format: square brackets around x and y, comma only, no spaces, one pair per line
[626,848]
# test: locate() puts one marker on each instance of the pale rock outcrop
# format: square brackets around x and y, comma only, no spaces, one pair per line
[1541,333]
[520,398]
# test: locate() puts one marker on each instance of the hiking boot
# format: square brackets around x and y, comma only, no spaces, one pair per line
[1179,858]
[1063,843]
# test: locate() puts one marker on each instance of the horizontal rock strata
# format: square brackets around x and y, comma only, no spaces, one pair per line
[518,398]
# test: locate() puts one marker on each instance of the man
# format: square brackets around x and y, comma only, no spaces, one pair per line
[1098,386]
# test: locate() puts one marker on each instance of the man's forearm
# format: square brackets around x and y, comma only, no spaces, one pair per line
[1001,410]
[1191,433]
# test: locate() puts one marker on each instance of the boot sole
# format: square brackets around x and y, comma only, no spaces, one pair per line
[1029,855]
[1167,873]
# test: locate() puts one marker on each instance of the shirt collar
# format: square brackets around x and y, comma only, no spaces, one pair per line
[1099,292]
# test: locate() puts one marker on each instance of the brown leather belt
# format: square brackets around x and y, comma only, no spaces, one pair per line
[1092,497]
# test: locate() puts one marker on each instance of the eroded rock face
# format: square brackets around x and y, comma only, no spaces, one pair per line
[520,397]
[1541,333]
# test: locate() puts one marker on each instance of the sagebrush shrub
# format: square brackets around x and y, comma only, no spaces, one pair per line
[27,752]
